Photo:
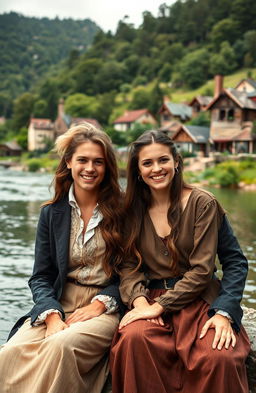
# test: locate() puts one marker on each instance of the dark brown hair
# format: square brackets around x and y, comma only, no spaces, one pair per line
[138,197]
[110,197]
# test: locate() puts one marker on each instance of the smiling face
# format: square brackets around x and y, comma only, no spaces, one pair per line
[88,166]
[156,166]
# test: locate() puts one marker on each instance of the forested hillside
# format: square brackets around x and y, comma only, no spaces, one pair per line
[29,46]
[183,47]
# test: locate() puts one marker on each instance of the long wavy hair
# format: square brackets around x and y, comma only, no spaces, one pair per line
[138,198]
[110,196]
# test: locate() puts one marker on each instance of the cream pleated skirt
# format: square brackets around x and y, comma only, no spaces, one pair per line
[74,360]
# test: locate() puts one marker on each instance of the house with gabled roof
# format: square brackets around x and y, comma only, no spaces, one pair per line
[130,118]
[246,85]
[39,131]
[192,139]
[42,130]
[64,121]
[171,111]
[11,148]
[199,104]
[233,114]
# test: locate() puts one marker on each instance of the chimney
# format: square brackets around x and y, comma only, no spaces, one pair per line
[61,108]
[166,99]
[218,85]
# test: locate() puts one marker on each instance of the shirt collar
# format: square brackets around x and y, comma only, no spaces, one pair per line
[73,203]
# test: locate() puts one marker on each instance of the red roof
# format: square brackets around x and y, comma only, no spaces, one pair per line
[131,116]
[42,123]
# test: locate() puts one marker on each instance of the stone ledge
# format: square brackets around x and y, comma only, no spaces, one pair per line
[249,322]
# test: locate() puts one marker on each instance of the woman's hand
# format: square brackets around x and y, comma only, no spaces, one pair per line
[88,312]
[147,311]
[224,335]
[54,324]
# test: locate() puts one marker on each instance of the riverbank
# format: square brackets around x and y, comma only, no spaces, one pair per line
[217,170]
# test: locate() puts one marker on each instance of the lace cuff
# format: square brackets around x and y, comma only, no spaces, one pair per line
[42,317]
[109,302]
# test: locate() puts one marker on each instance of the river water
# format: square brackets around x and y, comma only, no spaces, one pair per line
[20,197]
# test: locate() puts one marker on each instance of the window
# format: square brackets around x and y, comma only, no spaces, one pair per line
[222,114]
[231,115]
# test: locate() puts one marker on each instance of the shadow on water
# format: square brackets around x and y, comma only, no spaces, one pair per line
[20,198]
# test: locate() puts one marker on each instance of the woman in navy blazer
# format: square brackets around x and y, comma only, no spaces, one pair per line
[62,344]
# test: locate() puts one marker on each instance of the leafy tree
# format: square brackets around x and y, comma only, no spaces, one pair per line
[81,105]
[49,92]
[249,45]
[73,58]
[141,99]
[118,138]
[132,64]
[125,31]
[133,133]
[244,12]
[165,73]
[22,138]
[224,30]
[40,109]
[173,53]
[122,50]
[194,68]
[111,75]
[23,108]
[156,99]
[224,62]
[105,107]
[84,75]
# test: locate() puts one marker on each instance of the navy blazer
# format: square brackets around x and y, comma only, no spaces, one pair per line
[51,262]
[235,268]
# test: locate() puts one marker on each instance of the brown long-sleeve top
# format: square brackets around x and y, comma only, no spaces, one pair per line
[197,247]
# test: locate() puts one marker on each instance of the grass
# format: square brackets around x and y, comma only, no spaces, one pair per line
[182,95]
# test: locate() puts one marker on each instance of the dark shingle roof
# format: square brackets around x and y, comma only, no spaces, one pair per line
[181,110]
[198,133]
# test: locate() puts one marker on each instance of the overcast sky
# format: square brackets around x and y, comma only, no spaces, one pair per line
[106,13]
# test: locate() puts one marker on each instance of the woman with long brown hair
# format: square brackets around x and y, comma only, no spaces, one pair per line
[164,343]
[62,344]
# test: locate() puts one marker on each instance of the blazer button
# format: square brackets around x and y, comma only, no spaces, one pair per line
[166,253]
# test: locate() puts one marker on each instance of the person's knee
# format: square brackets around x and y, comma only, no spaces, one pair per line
[136,333]
[220,359]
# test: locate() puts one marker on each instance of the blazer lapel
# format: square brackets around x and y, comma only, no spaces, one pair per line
[61,227]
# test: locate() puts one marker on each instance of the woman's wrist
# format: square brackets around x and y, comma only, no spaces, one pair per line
[140,301]
[99,306]
[158,307]
[52,317]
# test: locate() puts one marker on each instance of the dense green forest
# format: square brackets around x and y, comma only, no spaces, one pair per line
[184,46]
[29,46]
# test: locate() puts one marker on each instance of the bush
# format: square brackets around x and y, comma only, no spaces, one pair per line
[34,164]
[228,177]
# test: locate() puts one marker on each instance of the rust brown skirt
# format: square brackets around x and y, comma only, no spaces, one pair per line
[147,358]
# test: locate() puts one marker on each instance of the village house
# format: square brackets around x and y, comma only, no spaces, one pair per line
[41,131]
[199,104]
[246,85]
[130,118]
[233,114]
[8,149]
[64,121]
[192,139]
[172,112]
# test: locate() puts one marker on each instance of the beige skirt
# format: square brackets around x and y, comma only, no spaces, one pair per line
[74,360]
